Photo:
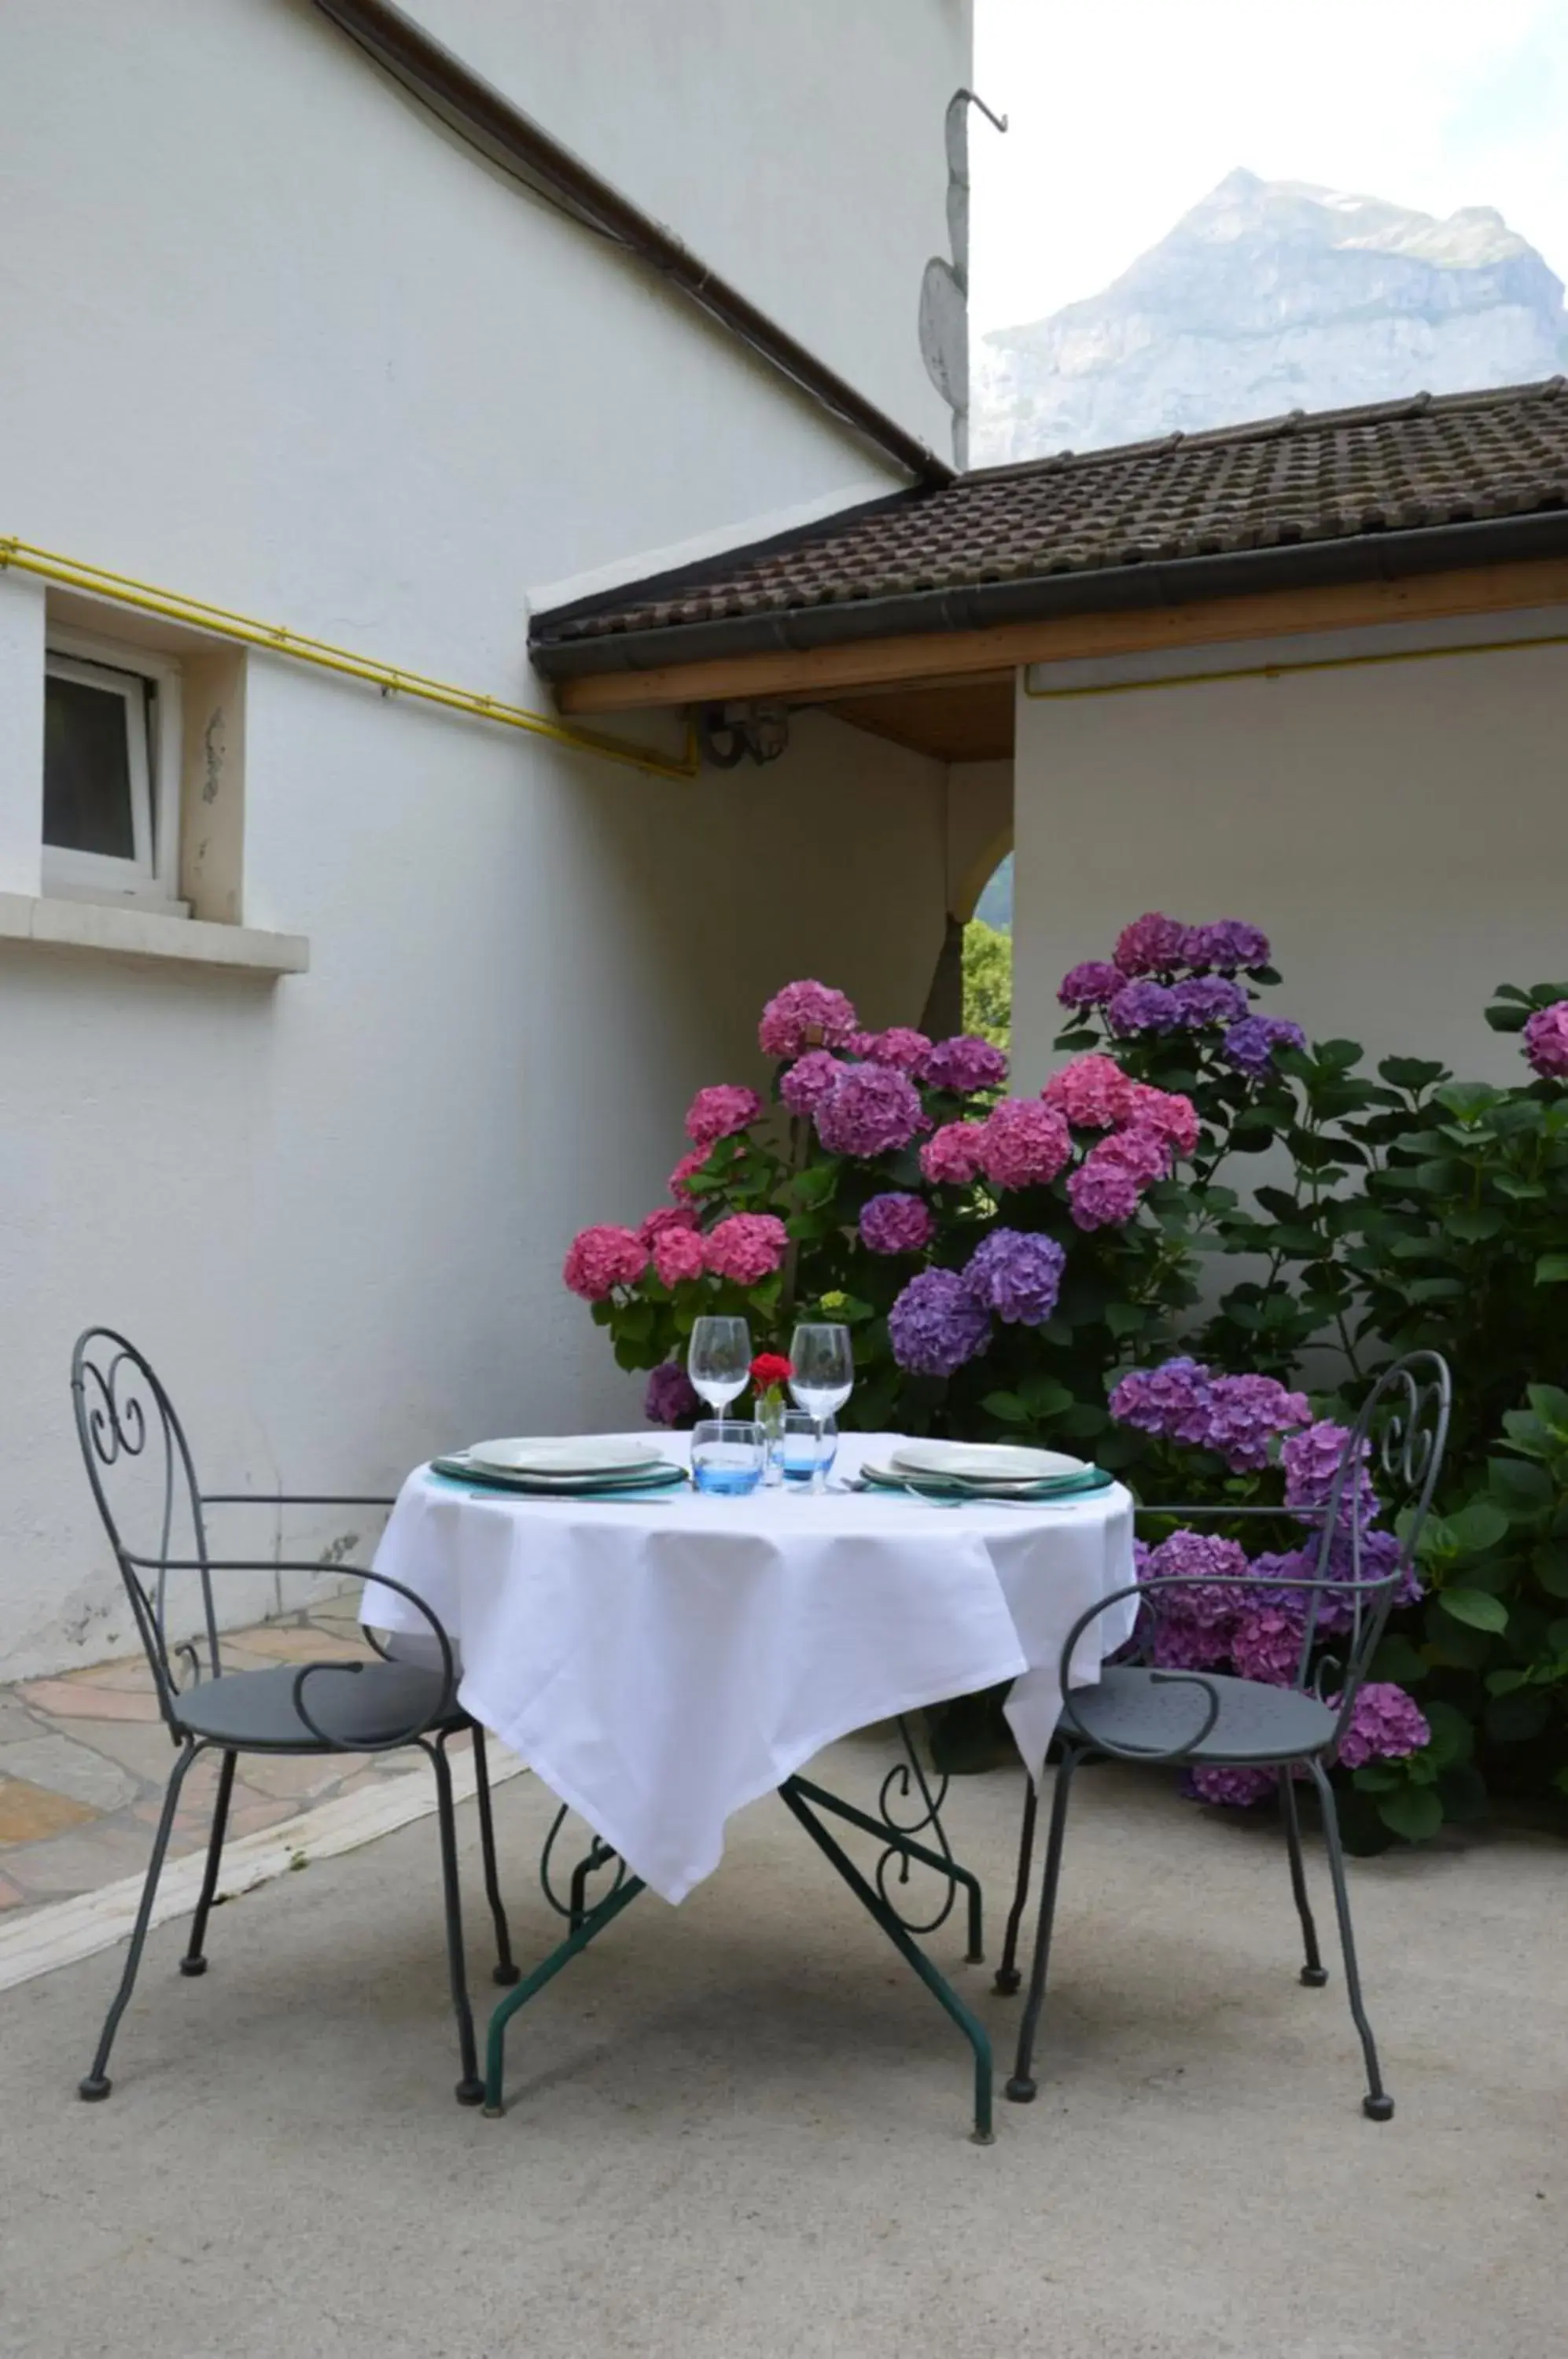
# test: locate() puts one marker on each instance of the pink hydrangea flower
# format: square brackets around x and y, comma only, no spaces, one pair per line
[872,1111]
[1093,1092]
[600,1259]
[902,1046]
[1107,1186]
[806,1015]
[678,1255]
[810,1080]
[1168,1113]
[1152,944]
[719,1111]
[1023,1144]
[1546,1040]
[687,1167]
[951,1158]
[747,1248]
[668,1216]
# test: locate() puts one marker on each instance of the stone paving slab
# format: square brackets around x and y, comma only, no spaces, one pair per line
[85,1759]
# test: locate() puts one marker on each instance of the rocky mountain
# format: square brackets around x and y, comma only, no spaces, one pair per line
[1270,296]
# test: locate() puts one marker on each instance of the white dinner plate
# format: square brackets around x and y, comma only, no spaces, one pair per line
[984,1461]
[563,1457]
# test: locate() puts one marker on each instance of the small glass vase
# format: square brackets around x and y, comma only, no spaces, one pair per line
[771,1411]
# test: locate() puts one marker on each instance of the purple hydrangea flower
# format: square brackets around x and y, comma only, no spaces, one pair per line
[1233,1789]
[669,1396]
[1143,1008]
[872,1110]
[1227,945]
[1546,1040]
[1384,1724]
[1267,1645]
[1245,1413]
[1171,1401]
[1091,985]
[964,1065]
[1017,1275]
[895,1225]
[937,1323]
[1206,1000]
[1249,1046]
[1311,1461]
[810,1080]
[1151,943]
[1193,1628]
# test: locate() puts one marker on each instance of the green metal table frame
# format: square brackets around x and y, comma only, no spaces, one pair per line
[808,1803]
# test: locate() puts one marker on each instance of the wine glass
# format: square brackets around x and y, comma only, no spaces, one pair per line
[821,1378]
[719,1361]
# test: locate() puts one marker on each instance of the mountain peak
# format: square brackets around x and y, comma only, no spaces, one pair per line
[1275,295]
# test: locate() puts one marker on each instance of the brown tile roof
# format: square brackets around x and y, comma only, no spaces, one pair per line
[1338,476]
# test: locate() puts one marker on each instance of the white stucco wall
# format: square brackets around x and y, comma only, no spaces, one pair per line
[1400,831]
[278,341]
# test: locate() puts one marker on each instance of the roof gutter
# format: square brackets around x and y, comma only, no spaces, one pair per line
[502,132]
[1111,589]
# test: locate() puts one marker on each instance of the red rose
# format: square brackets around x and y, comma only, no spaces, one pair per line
[769,1368]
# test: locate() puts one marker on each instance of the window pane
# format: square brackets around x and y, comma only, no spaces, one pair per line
[87,769]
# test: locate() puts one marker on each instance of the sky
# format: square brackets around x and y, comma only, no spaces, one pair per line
[1123,113]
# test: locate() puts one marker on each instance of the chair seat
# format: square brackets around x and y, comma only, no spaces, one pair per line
[1159,1712]
[367,1704]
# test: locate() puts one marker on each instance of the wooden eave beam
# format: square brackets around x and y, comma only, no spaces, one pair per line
[814,674]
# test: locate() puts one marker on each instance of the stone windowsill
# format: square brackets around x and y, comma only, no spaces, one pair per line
[146,934]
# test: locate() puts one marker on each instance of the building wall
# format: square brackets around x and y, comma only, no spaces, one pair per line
[278,340]
[1399,830]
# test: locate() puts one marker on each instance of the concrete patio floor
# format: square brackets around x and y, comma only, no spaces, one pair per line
[738,2127]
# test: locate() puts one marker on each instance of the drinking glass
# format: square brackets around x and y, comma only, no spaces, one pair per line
[727,1456]
[719,1361]
[804,1449]
[821,1378]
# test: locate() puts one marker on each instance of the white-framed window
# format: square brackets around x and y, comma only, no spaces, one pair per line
[112,760]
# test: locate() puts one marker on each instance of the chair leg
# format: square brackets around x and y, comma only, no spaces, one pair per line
[97,2083]
[1315,1973]
[1008,1976]
[193,1963]
[1021,2087]
[1377,2104]
[470,2087]
[505,1970]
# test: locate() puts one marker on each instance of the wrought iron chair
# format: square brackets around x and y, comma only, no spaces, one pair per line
[1192,1718]
[132,1440]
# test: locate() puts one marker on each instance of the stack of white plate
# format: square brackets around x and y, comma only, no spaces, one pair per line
[983,1470]
[573,1463]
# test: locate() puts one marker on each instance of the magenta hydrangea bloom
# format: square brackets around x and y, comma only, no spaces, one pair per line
[896,1223]
[1267,1645]
[1018,1275]
[1546,1040]
[1092,984]
[951,1157]
[1245,1415]
[902,1046]
[719,1111]
[964,1065]
[1166,1113]
[936,1324]
[669,1396]
[871,1111]
[1093,1092]
[812,1078]
[1311,1461]
[1385,1724]
[1143,1007]
[806,1015]
[1152,944]
[1233,1787]
[1107,1186]
[1206,1000]
[1227,945]
[678,1255]
[599,1259]
[686,1168]
[668,1216]
[747,1248]
[1024,1144]
[1249,1046]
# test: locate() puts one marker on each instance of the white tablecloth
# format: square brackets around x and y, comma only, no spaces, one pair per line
[660,1664]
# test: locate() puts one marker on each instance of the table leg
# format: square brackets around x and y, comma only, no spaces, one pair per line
[585,1929]
[798,1796]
